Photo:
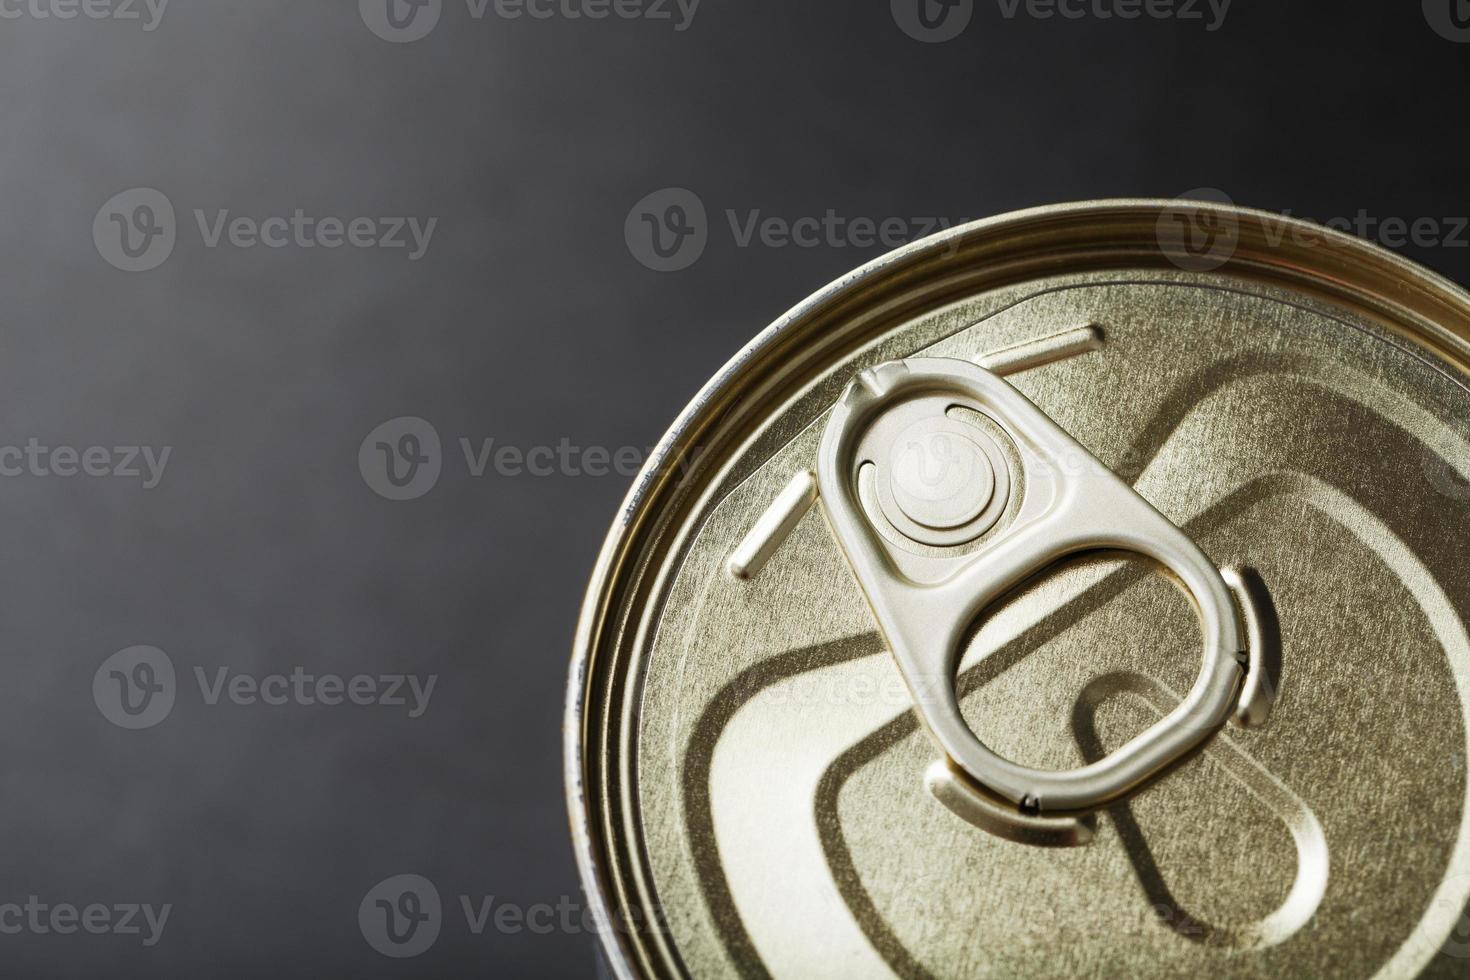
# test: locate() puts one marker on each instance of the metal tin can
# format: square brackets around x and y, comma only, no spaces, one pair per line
[844,704]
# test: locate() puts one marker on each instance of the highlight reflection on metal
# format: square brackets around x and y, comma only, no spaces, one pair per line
[744,756]
[971,803]
[779,520]
[1046,350]
[1262,644]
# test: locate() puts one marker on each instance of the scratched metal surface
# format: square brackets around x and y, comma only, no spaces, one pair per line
[785,824]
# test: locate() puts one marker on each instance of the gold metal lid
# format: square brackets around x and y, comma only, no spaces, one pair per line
[751,789]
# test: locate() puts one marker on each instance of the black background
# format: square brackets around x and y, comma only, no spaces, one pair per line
[528,321]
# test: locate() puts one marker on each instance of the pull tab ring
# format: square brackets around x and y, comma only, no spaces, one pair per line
[1072,504]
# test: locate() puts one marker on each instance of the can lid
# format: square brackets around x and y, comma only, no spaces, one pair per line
[944,727]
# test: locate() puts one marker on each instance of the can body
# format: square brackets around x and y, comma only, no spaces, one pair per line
[746,770]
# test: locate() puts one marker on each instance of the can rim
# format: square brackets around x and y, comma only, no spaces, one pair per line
[1407,297]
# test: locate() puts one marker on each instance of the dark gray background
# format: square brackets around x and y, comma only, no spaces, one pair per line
[528,321]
